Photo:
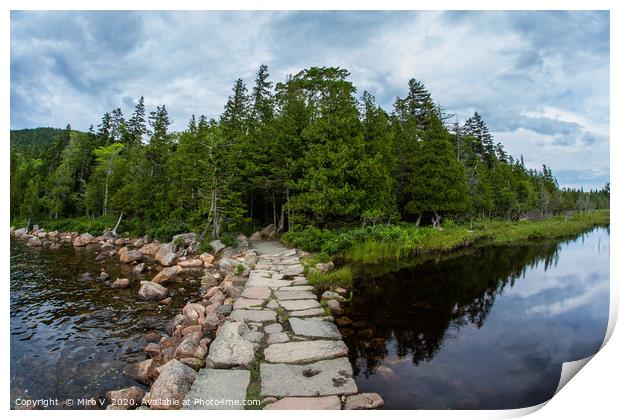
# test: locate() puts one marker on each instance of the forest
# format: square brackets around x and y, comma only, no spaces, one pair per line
[307,151]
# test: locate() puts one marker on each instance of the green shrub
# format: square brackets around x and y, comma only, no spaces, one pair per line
[228,239]
[164,231]
[204,246]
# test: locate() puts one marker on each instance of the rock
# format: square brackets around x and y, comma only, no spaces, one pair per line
[150,249]
[20,232]
[340,290]
[268,232]
[128,256]
[277,337]
[329,295]
[152,336]
[365,401]
[256,293]
[304,351]
[207,259]
[211,321]
[326,377]
[224,310]
[195,263]
[102,256]
[119,242]
[224,389]
[138,269]
[152,291]
[306,403]
[258,281]
[120,284]
[171,387]
[165,275]
[153,349]
[288,288]
[164,249]
[308,312]
[187,238]
[232,265]
[171,325]
[192,362]
[166,301]
[293,270]
[324,267]
[243,303]
[251,261]
[334,307]
[343,321]
[190,347]
[273,328]
[126,398]
[314,328]
[34,242]
[294,294]
[242,241]
[194,311]
[168,259]
[229,349]
[217,246]
[299,305]
[253,315]
[190,329]
[140,371]
[83,240]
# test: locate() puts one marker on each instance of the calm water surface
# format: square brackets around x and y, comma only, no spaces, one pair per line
[71,338]
[488,329]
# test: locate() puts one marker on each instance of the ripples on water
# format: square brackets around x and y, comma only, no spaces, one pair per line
[487,329]
[70,337]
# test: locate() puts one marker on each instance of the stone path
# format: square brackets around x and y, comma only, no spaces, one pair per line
[278,341]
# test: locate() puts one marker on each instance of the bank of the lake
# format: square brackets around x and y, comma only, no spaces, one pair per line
[352,248]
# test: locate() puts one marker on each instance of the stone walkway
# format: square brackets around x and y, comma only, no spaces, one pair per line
[278,344]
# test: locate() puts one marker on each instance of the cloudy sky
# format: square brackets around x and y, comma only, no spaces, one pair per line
[539,79]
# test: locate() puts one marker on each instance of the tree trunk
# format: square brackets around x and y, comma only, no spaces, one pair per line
[118,222]
[288,208]
[273,201]
[105,196]
[417,221]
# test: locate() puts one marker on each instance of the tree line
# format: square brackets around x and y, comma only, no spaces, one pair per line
[305,151]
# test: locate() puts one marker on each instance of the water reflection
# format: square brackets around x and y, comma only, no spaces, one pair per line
[488,328]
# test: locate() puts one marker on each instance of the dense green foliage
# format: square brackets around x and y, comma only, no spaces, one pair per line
[372,244]
[304,152]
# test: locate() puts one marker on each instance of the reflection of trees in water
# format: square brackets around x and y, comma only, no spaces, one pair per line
[415,310]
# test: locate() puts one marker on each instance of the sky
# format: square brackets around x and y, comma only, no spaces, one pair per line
[540,80]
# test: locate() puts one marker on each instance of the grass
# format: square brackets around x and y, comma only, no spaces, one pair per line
[254,390]
[342,276]
[358,247]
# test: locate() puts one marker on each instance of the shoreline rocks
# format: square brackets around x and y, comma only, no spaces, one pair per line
[152,291]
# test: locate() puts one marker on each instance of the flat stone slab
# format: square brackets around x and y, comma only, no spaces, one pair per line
[299,305]
[327,377]
[253,315]
[292,270]
[229,349]
[304,351]
[267,282]
[243,303]
[308,312]
[306,403]
[314,327]
[294,294]
[287,288]
[277,337]
[299,281]
[273,328]
[214,386]
[256,293]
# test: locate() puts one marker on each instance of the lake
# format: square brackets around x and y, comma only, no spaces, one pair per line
[72,337]
[487,328]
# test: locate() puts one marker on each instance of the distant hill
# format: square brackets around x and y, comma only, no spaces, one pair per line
[32,141]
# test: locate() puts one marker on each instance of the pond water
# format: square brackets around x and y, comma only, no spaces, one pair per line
[486,329]
[72,337]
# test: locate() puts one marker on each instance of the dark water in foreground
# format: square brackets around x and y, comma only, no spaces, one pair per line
[489,329]
[71,338]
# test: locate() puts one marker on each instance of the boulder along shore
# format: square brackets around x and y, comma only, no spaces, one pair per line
[256,334]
